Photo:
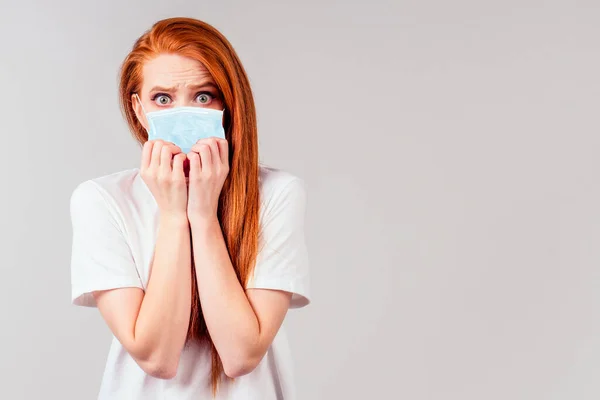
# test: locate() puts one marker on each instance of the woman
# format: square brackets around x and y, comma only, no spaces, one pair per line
[194,258]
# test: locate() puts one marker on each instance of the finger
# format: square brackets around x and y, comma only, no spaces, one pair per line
[178,173]
[156,150]
[194,165]
[166,158]
[176,149]
[223,150]
[196,146]
[205,158]
[214,152]
[147,154]
[211,142]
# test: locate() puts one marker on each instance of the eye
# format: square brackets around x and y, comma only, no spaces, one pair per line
[204,97]
[163,99]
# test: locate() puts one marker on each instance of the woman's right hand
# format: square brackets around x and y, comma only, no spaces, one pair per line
[163,172]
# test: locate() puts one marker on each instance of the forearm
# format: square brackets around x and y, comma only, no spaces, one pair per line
[161,327]
[231,321]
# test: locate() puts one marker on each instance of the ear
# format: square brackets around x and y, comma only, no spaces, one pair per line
[139,112]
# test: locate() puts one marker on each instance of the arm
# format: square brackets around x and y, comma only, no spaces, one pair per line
[153,326]
[242,324]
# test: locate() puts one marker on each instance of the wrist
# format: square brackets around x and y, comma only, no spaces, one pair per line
[203,221]
[173,219]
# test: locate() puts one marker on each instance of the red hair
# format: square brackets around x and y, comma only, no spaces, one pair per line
[239,200]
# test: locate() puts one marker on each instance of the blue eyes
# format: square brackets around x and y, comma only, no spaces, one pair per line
[164,99]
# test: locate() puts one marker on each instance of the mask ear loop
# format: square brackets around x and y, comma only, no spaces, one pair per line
[143,109]
[140,101]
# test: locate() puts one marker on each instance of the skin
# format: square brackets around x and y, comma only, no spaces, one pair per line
[152,325]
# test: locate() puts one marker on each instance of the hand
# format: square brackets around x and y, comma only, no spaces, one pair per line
[162,171]
[209,166]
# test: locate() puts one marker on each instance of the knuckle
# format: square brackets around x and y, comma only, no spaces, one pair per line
[162,178]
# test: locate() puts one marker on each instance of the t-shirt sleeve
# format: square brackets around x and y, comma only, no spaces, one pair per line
[282,260]
[101,257]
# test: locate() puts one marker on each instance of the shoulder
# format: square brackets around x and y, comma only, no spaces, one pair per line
[280,190]
[109,191]
[274,182]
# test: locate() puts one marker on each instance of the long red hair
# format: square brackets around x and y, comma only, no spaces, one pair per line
[239,200]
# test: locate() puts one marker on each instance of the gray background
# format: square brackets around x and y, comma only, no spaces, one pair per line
[449,150]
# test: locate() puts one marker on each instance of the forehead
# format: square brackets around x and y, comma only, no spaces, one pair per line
[174,70]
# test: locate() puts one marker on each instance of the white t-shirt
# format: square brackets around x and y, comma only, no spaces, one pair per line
[115,221]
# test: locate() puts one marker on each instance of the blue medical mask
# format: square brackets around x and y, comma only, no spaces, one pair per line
[184,125]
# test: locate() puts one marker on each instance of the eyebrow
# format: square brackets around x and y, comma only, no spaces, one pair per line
[193,87]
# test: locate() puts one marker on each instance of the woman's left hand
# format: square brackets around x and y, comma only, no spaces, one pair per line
[209,166]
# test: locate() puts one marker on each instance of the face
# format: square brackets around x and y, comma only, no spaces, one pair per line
[171,80]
